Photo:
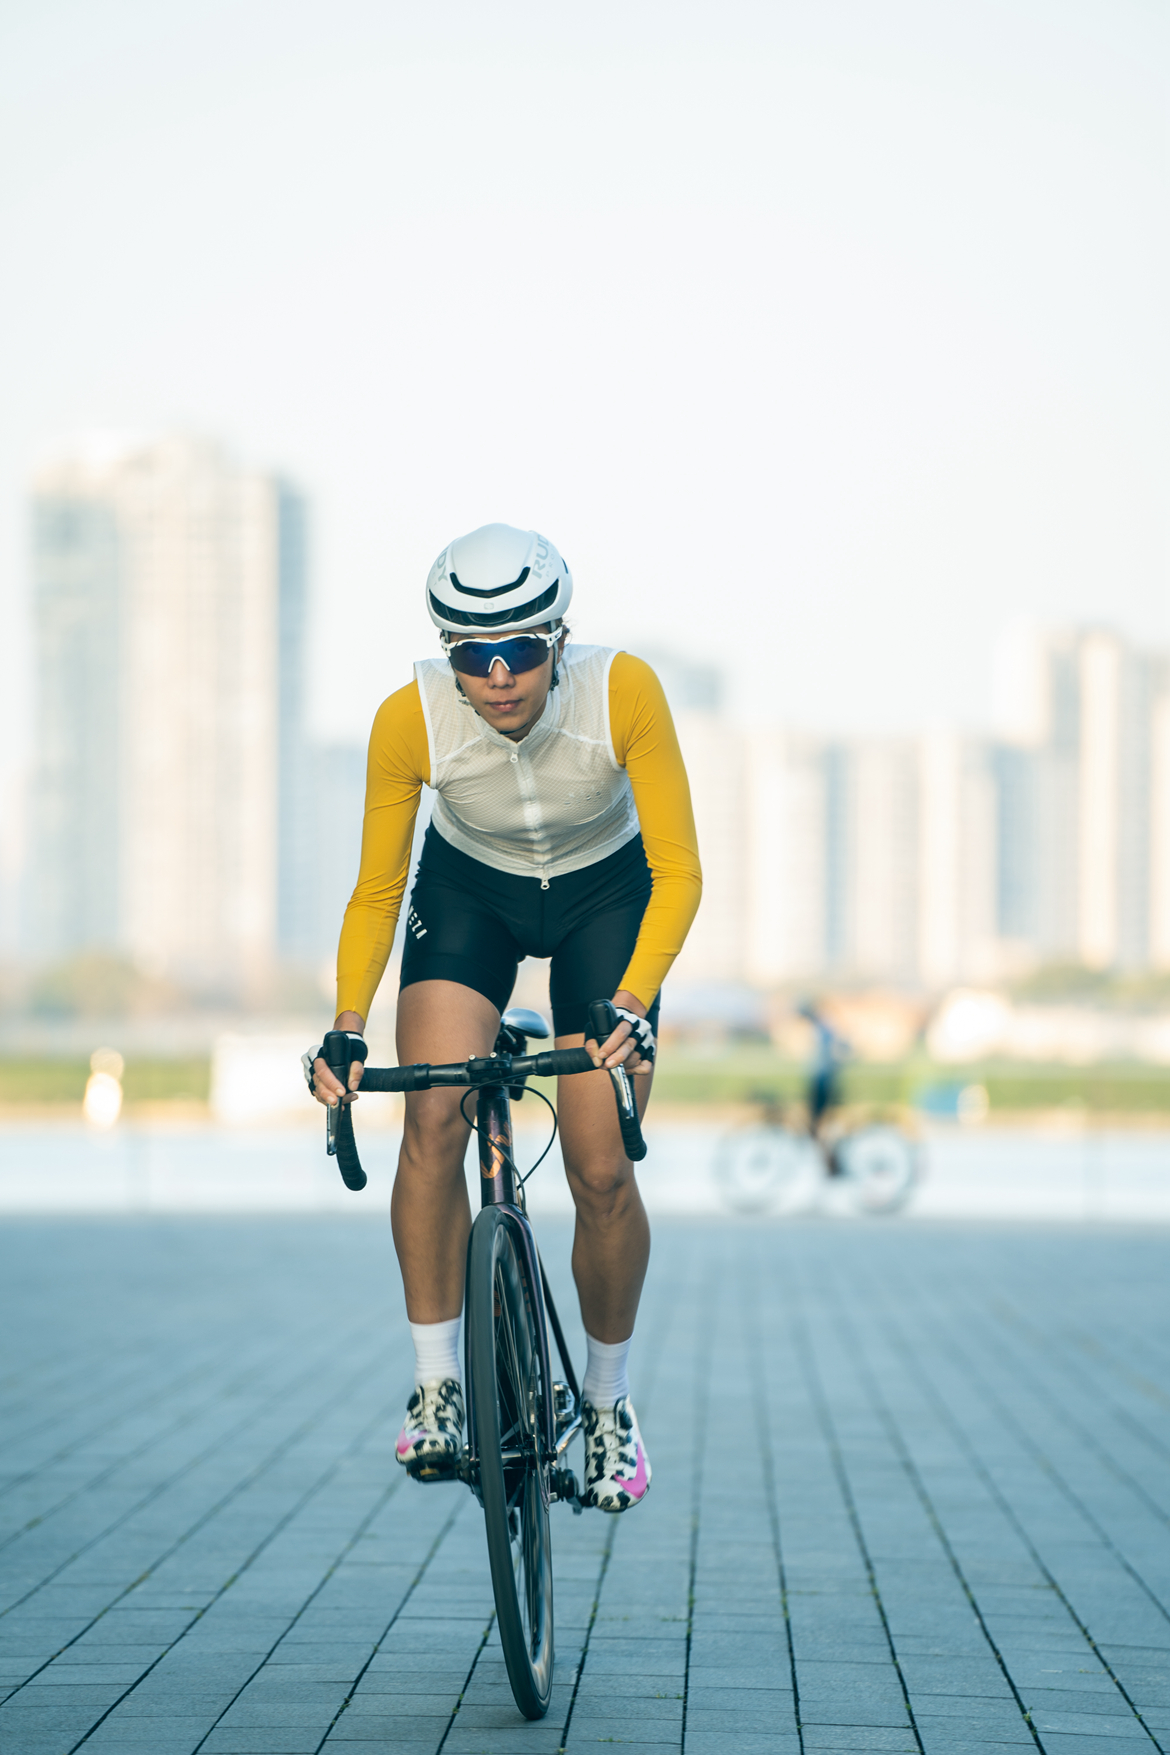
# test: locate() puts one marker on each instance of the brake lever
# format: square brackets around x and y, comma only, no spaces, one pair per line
[623,1087]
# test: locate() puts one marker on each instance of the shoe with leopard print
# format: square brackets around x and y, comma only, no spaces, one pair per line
[432,1433]
[617,1469]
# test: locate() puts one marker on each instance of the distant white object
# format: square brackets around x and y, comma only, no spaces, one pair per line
[971,1024]
[1019,684]
[968,1025]
[102,1103]
[257,1078]
[973,1106]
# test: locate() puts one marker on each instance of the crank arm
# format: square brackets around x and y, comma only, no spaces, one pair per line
[567,1436]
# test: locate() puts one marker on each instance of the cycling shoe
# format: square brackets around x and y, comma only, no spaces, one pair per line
[432,1432]
[617,1469]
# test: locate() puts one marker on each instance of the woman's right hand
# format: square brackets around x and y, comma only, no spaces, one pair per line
[327,1087]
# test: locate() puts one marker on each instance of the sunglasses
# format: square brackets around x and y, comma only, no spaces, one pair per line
[519,653]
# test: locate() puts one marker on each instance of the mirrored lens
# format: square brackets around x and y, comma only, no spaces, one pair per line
[476,657]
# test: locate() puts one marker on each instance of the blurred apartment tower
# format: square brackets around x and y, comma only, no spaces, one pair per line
[1160,825]
[1084,800]
[785,917]
[713,750]
[322,784]
[867,861]
[945,858]
[872,872]
[871,861]
[169,817]
[958,855]
[333,806]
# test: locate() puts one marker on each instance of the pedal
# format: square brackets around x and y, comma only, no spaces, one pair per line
[430,1473]
[563,1485]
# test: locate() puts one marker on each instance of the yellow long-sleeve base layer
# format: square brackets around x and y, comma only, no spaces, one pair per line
[645,744]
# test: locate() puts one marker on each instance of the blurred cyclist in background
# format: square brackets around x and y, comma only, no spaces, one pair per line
[830,1052]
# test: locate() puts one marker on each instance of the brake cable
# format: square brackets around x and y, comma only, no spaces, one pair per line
[495,1144]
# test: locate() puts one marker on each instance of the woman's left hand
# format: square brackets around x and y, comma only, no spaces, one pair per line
[620,1049]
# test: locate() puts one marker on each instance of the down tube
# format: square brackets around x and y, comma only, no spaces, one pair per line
[493,1116]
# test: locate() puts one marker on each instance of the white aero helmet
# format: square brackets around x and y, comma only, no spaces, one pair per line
[498,578]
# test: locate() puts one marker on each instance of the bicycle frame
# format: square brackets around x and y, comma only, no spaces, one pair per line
[509,1313]
[498,1187]
[495,1078]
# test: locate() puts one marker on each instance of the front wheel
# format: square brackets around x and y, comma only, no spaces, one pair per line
[881,1166]
[766,1169]
[507,1398]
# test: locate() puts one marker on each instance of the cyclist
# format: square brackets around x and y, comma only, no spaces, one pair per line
[830,1051]
[562,828]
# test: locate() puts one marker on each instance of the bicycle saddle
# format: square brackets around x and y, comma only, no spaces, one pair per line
[527,1023]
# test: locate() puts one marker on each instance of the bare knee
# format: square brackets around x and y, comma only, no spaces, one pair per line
[601,1185]
[434,1144]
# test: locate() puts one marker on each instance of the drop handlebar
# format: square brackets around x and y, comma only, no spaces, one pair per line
[341,1048]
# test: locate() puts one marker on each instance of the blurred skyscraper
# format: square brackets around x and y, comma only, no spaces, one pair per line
[945,858]
[1085,800]
[322,785]
[182,815]
[332,805]
[171,802]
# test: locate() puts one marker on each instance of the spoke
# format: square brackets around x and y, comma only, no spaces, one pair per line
[507,1353]
[514,1378]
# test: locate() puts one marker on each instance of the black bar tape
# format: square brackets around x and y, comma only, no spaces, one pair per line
[348,1161]
[396,1078]
[340,1049]
[553,1062]
[603,1021]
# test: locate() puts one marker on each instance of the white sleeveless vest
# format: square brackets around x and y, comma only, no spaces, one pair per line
[552,803]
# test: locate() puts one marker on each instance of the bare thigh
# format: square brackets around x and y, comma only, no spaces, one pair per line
[611,1240]
[438,1021]
[589,1128]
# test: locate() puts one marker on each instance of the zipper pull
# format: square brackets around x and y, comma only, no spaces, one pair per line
[544,883]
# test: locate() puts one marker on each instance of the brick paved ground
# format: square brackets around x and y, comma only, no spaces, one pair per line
[941,1522]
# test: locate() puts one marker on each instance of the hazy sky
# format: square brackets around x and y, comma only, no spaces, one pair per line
[821,337]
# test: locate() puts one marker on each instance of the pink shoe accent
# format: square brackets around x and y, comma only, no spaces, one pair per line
[405,1443]
[636,1486]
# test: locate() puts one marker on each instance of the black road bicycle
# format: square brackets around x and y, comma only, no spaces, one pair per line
[520,1419]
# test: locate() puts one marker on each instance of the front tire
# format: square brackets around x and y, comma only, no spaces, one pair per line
[881,1166]
[766,1169]
[507,1397]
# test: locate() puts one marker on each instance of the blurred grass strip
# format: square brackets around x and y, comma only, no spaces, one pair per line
[737,1077]
[34,1080]
[1115,1087]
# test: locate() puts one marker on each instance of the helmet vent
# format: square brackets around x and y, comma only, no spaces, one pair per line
[494,590]
[494,618]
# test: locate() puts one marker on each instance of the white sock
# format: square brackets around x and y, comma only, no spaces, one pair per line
[436,1351]
[606,1377]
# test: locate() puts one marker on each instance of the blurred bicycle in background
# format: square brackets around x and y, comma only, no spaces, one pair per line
[782,1162]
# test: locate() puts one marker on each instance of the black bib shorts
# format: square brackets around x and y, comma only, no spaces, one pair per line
[470,923]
